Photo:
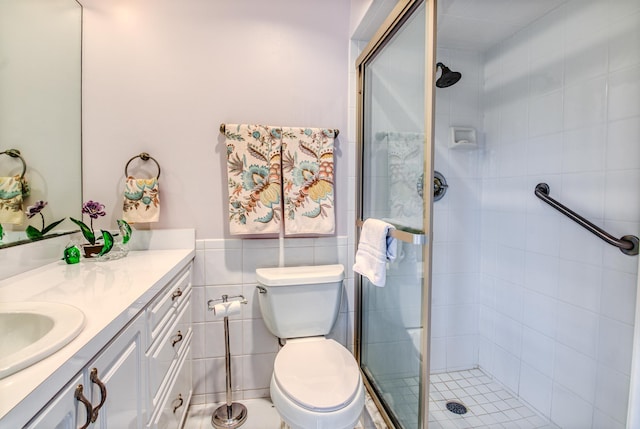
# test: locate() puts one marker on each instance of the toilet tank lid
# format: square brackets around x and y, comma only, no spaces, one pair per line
[285,276]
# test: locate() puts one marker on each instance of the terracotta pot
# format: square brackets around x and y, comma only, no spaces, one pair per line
[91,250]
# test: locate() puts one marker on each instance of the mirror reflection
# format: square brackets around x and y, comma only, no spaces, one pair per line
[40,114]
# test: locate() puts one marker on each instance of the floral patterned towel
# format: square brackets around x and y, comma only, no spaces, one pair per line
[254,178]
[141,202]
[11,193]
[406,165]
[307,162]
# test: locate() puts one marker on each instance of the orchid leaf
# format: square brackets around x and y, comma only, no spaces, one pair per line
[108,242]
[125,230]
[33,232]
[51,226]
[1,232]
[88,234]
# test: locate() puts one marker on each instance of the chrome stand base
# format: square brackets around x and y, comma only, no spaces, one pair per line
[229,416]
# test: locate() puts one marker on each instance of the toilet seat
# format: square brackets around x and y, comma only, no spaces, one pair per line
[317,374]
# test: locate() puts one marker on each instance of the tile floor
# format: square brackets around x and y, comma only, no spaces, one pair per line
[489,404]
[260,415]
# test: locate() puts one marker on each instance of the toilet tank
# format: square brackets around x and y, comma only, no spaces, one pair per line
[300,301]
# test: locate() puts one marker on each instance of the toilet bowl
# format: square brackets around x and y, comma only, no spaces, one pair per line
[316,382]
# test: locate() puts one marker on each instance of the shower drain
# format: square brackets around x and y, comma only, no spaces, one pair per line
[456,407]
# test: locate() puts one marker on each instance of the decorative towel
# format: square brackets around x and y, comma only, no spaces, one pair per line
[141,201]
[254,178]
[375,248]
[11,192]
[307,162]
[406,167]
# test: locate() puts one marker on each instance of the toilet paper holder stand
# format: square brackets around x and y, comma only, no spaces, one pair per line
[231,414]
[226,298]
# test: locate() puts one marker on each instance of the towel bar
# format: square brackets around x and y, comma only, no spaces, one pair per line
[406,236]
[223,128]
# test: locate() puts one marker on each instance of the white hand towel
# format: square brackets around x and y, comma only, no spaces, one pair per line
[141,200]
[375,248]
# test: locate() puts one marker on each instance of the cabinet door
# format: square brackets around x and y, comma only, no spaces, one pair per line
[120,371]
[64,411]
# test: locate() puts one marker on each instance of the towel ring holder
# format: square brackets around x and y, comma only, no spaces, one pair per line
[15,153]
[145,157]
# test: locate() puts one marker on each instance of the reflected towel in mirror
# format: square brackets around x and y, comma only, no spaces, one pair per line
[11,200]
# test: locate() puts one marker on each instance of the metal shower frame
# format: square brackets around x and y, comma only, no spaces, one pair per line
[399,15]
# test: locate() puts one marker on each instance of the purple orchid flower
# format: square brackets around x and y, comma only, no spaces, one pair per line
[93,209]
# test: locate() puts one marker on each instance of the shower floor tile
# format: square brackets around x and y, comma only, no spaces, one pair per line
[488,403]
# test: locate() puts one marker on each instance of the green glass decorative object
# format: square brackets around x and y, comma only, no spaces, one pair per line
[71,254]
[108,242]
[125,230]
[86,231]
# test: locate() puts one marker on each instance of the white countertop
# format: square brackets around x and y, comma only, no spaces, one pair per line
[109,293]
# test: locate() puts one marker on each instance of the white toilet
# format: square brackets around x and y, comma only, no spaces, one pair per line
[316,382]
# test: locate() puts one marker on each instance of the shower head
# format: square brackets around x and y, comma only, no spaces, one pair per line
[447,77]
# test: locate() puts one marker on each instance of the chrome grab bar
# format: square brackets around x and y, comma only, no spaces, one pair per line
[399,234]
[628,244]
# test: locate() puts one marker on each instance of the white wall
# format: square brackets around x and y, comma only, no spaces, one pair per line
[562,106]
[456,219]
[160,76]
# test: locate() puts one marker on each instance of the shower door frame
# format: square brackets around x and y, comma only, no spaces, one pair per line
[398,16]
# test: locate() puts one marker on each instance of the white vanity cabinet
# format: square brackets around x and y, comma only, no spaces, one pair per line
[170,329]
[111,383]
[64,412]
[117,384]
[141,377]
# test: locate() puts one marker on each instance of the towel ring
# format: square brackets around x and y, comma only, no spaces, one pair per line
[145,157]
[15,153]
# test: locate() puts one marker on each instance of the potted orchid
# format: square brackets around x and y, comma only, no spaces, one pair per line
[35,209]
[94,210]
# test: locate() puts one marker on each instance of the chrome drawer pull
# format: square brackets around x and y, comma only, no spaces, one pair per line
[176,294]
[87,405]
[178,337]
[180,403]
[103,393]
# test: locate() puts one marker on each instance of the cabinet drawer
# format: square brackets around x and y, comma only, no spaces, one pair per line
[173,409]
[160,310]
[169,347]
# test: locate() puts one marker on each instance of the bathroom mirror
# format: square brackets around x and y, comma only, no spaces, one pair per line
[40,108]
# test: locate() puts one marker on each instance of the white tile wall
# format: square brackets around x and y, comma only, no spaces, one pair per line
[228,267]
[456,256]
[574,76]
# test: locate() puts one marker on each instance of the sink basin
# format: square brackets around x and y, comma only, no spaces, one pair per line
[31,331]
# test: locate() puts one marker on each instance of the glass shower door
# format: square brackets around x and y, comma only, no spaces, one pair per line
[392,323]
